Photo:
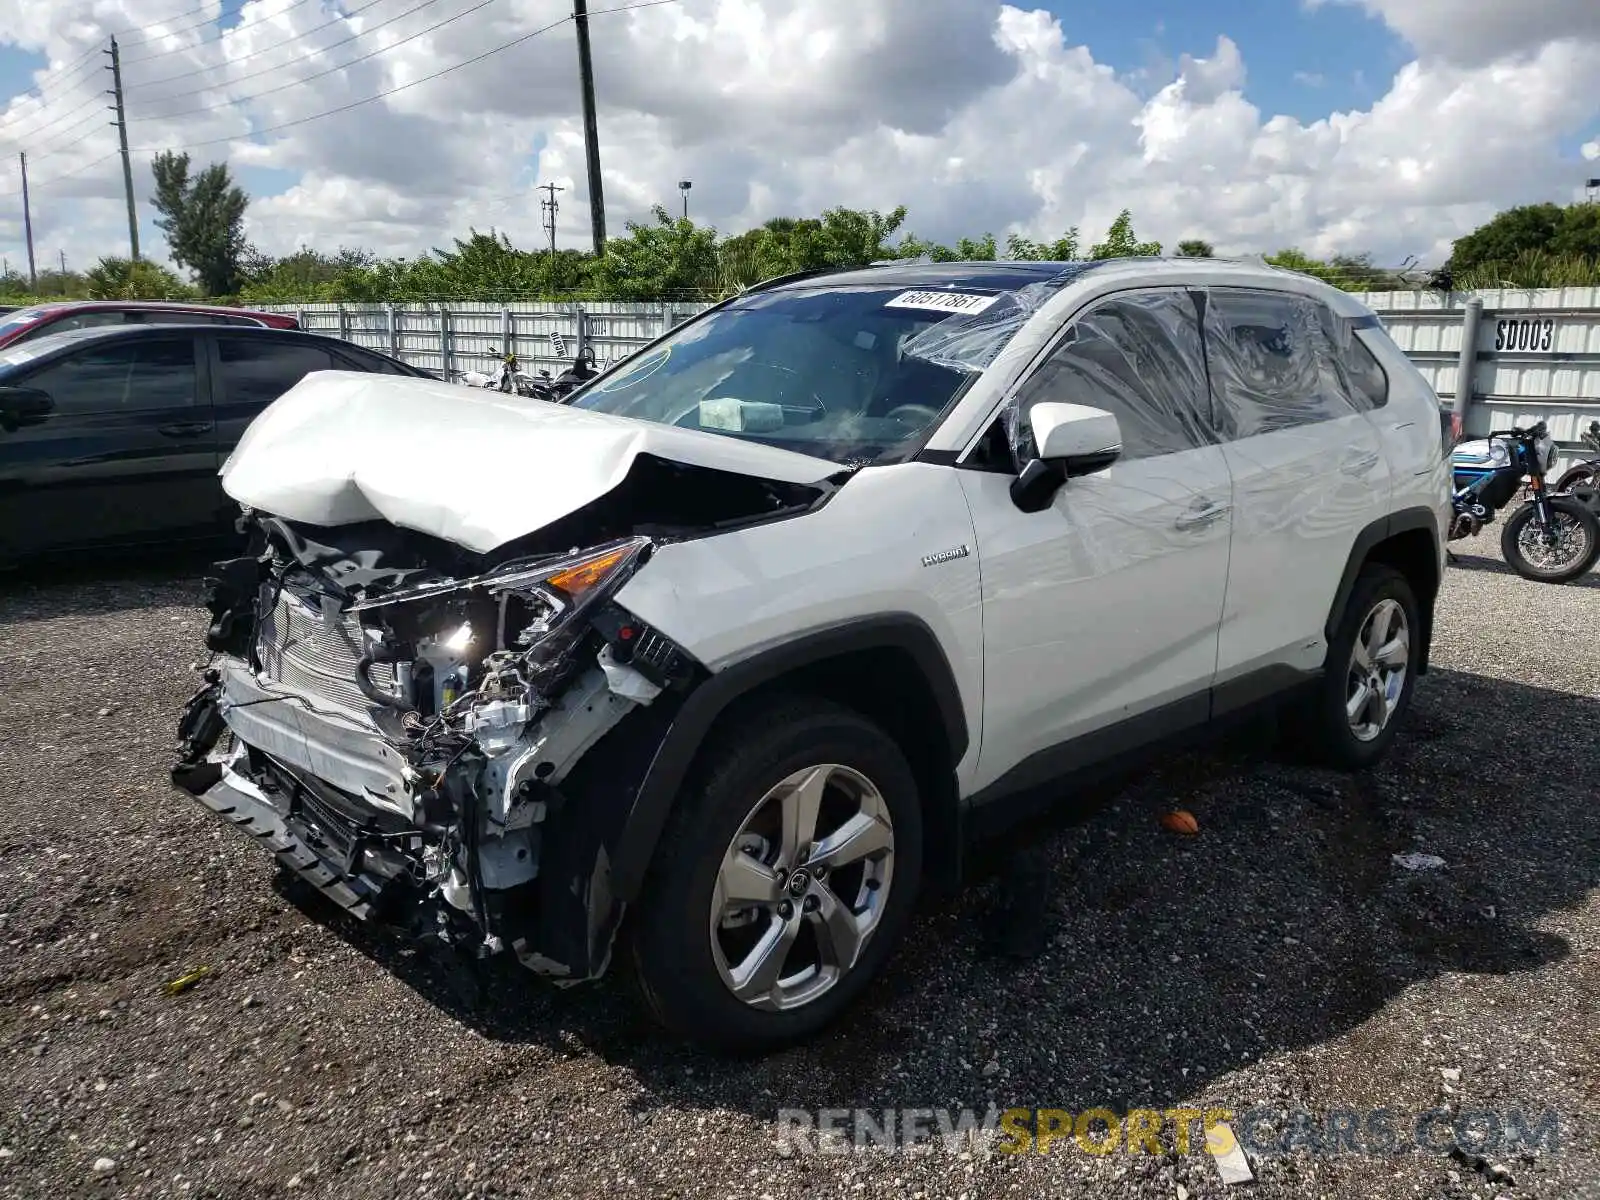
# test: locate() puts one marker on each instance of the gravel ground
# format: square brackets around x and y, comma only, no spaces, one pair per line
[1279,958]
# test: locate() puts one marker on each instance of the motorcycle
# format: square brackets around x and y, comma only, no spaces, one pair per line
[556,390]
[506,378]
[1551,538]
[1585,474]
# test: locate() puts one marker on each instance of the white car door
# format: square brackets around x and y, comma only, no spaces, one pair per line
[1104,608]
[1309,473]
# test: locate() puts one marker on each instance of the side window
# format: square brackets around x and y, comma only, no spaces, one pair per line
[1272,363]
[1365,379]
[151,373]
[258,371]
[97,318]
[1139,358]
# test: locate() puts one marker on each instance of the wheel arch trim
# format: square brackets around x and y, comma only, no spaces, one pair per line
[705,705]
[1406,520]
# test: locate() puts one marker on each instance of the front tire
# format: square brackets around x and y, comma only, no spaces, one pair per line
[1573,550]
[785,876]
[1369,673]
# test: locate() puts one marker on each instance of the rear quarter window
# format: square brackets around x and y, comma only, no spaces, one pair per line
[1371,380]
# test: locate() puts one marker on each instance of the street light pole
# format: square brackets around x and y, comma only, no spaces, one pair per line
[683,186]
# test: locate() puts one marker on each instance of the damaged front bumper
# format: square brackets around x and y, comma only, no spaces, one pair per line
[453,755]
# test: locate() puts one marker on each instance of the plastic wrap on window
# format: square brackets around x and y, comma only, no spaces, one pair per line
[1273,363]
[971,343]
[1137,357]
[1359,373]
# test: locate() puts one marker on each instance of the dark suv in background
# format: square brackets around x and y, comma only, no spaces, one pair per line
[113,437]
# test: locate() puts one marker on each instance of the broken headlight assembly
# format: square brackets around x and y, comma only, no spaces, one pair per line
[509,633]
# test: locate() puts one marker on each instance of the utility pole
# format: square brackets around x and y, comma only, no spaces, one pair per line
[63,264]
[550,206]
[591,127]
[27,226]
[122,135]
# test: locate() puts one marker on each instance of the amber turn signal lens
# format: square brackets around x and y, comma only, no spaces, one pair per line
[574,581]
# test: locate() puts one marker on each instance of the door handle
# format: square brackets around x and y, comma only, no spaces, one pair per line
[1359,464]
[1201,515]
[184,429]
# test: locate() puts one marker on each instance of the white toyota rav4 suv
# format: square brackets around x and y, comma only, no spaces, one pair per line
[718,664]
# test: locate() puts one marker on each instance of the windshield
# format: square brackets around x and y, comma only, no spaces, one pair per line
[852,374]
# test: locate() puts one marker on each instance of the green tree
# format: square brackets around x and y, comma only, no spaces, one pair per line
[1531,269]
[203,218]
[61,285]
[1579,233]
[1508,235]
[304,275]
[13,284]
[671,256]
[1066,248]
[981,249]
[1196,248]
[124,279]
[856,237]
[1122,243]
[913,247]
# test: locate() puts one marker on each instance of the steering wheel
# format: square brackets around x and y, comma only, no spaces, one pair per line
[918,414]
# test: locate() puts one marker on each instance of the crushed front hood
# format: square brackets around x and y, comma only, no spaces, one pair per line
[473,467]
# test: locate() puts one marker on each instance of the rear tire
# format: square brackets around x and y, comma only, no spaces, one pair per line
[1351,719]
[1579,522]
[689,962]
[1583,475]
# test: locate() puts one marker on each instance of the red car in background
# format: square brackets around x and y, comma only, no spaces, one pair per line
[59,316]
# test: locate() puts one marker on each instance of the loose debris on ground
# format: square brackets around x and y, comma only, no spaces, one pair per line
[1279,957]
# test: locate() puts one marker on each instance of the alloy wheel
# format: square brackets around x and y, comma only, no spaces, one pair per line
[802,886]
[1379,663]
[1566,542]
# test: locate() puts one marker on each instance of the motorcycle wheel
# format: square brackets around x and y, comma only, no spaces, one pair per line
[1583,475]
[1576,542]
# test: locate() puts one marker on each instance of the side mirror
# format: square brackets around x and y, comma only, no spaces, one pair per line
[1072,440]
[21,406]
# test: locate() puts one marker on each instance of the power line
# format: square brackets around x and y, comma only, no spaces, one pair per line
[177,16]
[89,166]
[77,77]
[354,104]
[149,37]
[600,12]
[384,95]
[77,141]
[283,87]
[278,70]
[343,17]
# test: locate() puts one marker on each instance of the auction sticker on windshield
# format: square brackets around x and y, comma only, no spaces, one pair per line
[950,302]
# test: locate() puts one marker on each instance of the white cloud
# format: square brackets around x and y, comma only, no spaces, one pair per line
[1476,33]
[1591,151]
[977,116]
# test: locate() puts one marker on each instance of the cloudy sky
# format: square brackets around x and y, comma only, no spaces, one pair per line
[1388,126]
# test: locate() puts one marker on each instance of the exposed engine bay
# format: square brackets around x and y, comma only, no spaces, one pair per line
[409,725]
